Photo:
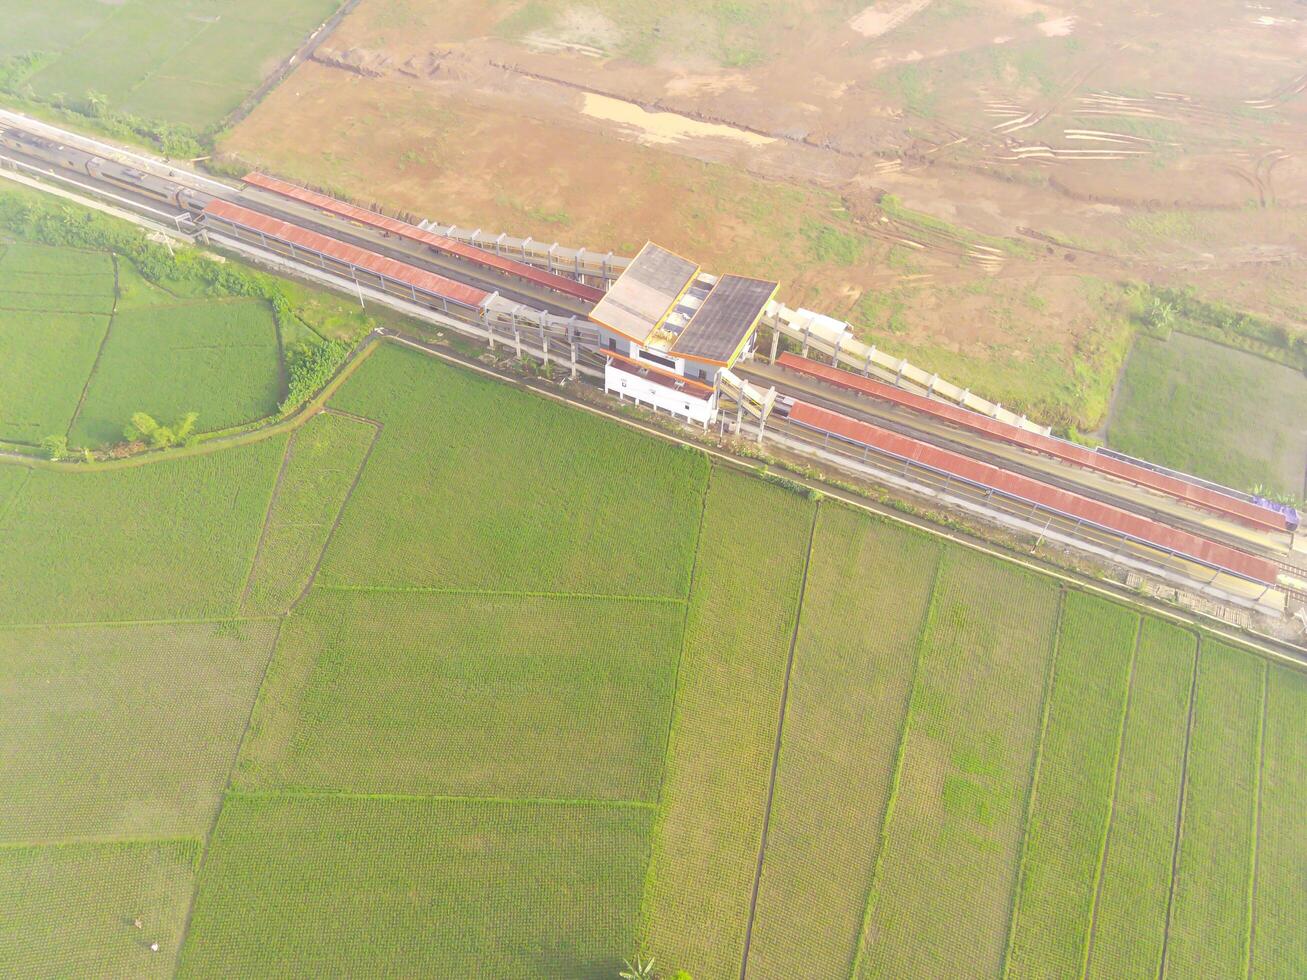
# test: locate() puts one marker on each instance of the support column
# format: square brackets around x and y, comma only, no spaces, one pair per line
[775,341]
[573,346]
[517,340]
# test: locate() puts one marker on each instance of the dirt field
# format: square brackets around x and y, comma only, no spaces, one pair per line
[1035,154]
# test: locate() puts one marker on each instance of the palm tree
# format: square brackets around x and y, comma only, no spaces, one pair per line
[640,970]
[98,102]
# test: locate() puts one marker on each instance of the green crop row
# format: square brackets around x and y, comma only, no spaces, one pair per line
[416,888]
[95,910]
[321,465]
[459,695]
[944,879]
[719,758]
[1130,920]
[1209,926]
[869,584]
[1073,794]
[122,731]
[476,484]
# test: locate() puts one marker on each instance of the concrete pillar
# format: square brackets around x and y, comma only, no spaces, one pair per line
[775,341]
[806,331]
[835,358]
[517,339]
[573,346]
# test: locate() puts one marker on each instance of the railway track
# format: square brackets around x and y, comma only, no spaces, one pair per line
[898,419]
[908,423]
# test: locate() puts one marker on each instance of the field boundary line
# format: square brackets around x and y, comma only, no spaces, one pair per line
[780,734]
[642,917]
[328,794]
[196,621]
[222,797]
[1250,922]
[905,730]
[267,520]
[340,515]
[437,590]
[9,502]
[32,845]
[1111,803]
[99,351]
[1050,678]
[1180,809]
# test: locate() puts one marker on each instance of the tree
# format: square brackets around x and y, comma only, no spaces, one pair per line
[145,428]
[97,102]
[639,970]
[1161,316]
[55,446]
[140,428]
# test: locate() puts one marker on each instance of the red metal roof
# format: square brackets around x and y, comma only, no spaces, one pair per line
[1022,487]
[441,243]
[1211,500]
[402,272]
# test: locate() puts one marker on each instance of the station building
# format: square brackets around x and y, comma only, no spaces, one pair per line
[668,329]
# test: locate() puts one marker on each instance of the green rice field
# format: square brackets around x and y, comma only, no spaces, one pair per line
[1242,427]
[86,343]
[448,679]
[174,61]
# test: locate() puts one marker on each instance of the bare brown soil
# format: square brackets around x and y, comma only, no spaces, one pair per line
[1052,148]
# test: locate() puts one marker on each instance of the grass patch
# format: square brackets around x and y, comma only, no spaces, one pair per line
[869,585]
[45,359]
[122,731]
[945,875]
[719,758]
[1210,910]
[1073,795]
[321,465]
[1279,939]
[417,888]
[478,485]
[219,359]
[170,539]
[70,909]
[1136,870]
[154,61]
[1218,413]
[465,695]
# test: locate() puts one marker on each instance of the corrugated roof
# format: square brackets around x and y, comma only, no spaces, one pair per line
[644,293]
[402,272]
[728,315]
[442,243]
[1160,536]
[1211,500]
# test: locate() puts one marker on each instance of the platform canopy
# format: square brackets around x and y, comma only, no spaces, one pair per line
[719,327]
[645,293]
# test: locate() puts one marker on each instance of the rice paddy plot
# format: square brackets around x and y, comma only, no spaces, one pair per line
[1135,883]
[868,590]
[45,359]
[219,358]
[332,886]
[1280,921]
[122,731]
[166,60]
[1241,425]
[943,886]
[1073,793]
[59,265]
[714,797]
[1210,916]
[476,484]
[170,538]
[71,909]
[322,462]
[467,695]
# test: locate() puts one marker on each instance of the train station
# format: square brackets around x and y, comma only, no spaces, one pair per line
[668,329]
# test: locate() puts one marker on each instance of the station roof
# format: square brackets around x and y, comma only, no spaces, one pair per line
[725,319]
[401,272]
[646,291]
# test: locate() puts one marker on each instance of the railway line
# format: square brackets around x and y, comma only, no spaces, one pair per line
[501,297]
